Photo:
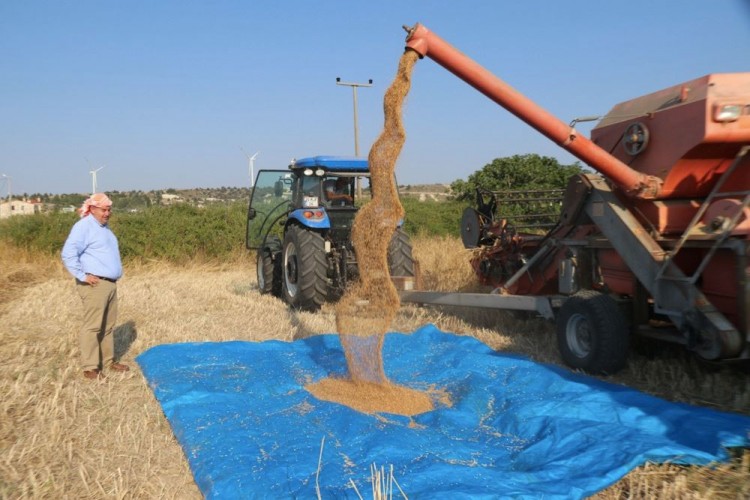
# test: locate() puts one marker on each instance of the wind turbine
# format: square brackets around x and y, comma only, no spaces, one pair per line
[251,164]
[8,181]
[93,179]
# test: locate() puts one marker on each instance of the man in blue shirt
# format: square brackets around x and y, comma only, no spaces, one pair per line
[91,254]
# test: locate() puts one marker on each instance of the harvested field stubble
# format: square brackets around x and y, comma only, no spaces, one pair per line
[64,437]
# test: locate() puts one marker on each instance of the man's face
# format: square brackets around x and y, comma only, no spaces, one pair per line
[101,214]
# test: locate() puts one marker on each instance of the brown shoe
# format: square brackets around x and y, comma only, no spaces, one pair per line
[119,367]
[93,374]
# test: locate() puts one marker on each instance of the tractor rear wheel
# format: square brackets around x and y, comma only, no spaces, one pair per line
[592,333]
[400,258]
[269,267]
[304,269]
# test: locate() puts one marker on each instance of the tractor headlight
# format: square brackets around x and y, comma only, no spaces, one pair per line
[307,171]
[320,172]
[725,113]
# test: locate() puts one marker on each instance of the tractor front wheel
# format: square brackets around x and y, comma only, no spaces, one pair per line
[592,334]
[304,269]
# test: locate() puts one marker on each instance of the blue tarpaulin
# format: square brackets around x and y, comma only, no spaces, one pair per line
[515,429]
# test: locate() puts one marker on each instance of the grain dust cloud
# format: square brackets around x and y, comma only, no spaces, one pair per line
[365,312]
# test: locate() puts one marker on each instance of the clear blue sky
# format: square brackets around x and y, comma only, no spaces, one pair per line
[165,93]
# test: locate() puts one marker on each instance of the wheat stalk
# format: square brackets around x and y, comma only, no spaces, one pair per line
[320,464]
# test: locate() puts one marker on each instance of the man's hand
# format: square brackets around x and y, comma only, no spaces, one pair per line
[92,280]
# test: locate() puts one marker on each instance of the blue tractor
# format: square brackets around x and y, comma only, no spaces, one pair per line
[300,220]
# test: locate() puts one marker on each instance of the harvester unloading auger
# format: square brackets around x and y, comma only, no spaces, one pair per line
[656,245]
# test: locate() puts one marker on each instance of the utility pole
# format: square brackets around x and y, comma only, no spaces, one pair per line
[250,165]
[354,86]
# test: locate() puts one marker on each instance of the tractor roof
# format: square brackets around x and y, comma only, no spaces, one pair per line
[333,163]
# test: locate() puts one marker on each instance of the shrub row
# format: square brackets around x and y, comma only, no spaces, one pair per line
[179,233]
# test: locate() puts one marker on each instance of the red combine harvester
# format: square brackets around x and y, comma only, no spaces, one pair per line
[656,244]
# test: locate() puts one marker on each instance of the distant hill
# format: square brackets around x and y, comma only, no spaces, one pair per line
[437,192]
[136,200]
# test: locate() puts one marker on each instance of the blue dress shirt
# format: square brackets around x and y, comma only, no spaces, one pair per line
[91,248]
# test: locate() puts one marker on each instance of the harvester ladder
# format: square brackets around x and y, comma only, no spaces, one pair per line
[669,256]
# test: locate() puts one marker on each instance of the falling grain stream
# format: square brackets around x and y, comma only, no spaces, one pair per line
[365,312]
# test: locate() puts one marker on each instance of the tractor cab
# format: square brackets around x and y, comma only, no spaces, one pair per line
[300,222]
[318,192]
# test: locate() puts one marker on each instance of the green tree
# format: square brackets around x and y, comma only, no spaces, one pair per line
[519,172]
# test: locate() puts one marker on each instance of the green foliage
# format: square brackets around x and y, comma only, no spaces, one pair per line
[433,218]
[180,232]
[519,172]
[175,233]
[44,233]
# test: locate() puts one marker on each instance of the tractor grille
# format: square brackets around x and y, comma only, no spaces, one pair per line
[341,224]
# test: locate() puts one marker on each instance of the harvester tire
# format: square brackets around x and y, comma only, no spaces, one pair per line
[400,258]
[304,269]
[592,334]
[269,267]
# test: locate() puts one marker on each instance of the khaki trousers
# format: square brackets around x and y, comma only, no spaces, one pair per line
[95,338]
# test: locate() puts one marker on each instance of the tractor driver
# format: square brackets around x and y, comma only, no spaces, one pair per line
[337,193]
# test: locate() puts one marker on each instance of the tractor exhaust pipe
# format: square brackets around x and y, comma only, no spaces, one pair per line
[634,183]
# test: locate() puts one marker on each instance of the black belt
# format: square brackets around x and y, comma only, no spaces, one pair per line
[106,279]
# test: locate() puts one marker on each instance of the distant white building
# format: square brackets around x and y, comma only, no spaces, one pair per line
[168,198]
[19,207]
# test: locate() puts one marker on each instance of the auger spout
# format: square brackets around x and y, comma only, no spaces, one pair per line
[633,183]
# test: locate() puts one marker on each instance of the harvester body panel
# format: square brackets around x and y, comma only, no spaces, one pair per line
[687,147]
